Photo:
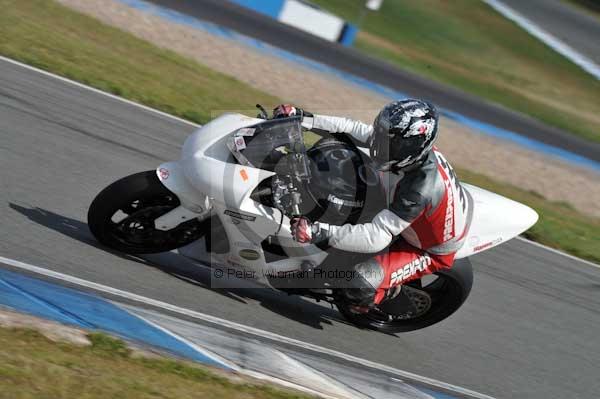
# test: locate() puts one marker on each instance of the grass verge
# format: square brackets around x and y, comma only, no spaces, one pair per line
[49,36]
[466,44]
[31,366]
[57,39]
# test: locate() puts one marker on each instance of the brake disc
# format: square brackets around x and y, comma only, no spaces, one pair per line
[413,302]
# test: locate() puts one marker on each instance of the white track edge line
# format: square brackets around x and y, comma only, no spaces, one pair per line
[234,367]
[265,377]
[238,327]
[330,380]
[213,356]
[97,91]
[169,116]
[547,38]
[240,369]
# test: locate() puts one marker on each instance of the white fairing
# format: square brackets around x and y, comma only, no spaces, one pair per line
[207,178]
[496,219]
[207,167]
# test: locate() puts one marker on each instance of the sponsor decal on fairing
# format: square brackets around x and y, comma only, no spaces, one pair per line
[239,143]
[241,216]
[244,175]
[338,201]
[164,173]
[487,245]
[249,254]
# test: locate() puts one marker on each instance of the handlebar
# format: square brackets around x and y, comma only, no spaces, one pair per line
[263,112]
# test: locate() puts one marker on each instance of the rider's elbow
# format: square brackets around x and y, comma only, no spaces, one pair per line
[379,243]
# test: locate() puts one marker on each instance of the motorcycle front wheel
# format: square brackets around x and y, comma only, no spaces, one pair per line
[433,300]
[122,216]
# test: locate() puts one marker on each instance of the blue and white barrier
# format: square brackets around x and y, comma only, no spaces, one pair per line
[306,17]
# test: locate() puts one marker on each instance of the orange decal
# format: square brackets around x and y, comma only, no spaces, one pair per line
[244,174]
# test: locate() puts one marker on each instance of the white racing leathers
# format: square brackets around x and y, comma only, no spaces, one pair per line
[426,206]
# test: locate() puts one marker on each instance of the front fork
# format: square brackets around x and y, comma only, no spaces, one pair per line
[194,205]
[176,216]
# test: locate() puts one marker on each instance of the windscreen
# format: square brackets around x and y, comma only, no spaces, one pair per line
[272,145]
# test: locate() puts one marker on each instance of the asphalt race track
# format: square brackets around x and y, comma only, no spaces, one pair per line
[530,328]
[577,28]
[351,61]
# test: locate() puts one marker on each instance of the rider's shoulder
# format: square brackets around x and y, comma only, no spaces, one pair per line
[424,180]
[425,171]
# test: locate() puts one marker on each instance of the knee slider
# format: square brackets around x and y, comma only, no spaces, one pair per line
[367,278]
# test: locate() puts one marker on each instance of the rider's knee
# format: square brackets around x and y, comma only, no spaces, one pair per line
[370,270]
[367,278]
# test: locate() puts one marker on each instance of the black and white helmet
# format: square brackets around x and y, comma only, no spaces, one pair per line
[404,133]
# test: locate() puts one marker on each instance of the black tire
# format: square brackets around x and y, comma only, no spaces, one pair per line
[448,292]
[141,197]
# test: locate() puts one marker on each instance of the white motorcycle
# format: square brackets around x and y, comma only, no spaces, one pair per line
[228,203]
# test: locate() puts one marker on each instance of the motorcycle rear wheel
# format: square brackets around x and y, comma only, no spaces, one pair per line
[447,292]
[122,216]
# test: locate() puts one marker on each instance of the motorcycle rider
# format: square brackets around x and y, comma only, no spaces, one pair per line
[427,207]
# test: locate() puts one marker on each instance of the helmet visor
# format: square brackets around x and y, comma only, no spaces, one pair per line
[380,146]
[390,150]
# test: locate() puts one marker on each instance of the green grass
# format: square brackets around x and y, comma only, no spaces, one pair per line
[31,366]
[49,36]
[466,44]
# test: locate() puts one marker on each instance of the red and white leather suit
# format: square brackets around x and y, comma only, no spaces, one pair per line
[427,207]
